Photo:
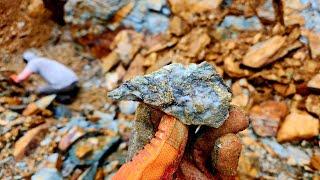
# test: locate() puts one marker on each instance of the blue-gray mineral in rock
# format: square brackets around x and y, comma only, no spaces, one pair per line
[195,94]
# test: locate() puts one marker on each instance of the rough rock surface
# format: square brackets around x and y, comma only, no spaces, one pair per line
[29,139]
[265,117]
[298,126]
[195,94]
[259,54]
[312,104]
[95,17]
[78,12]
[314,83]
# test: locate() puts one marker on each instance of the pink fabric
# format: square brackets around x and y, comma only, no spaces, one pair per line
[24,75]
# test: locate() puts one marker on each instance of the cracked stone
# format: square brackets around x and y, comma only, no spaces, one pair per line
[195,94]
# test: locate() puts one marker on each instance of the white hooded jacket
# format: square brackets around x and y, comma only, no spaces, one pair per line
[57,75]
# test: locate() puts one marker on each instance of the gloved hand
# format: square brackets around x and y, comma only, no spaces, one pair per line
[14,78]
[175,151]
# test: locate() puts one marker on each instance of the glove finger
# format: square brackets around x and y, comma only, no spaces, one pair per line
[161,157]
[143,129]
[237,121]
[225,156]
[187,170]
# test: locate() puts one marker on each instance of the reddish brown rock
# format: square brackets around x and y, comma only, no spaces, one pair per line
[29,141]
[315,162]
[74,134]
[265,117]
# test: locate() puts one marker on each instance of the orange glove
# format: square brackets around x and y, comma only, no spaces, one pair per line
[14,77]
[176,152]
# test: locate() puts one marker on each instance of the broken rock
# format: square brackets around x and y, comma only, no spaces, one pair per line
[100,145]
[297,156]
[177,26]
[266,11]
[54,161]
[47,173]
[195,94]
[297,126]
[44,102]
[41,104]
[126,44]
[194,42]
[109,61]
[265,117]
[313,104]
[30,109]
[29,139]
[69,138]
[314,45]
[84,150]
[260,54]
[314,83]
[241,23]
[81,13]
[315,162]
[242,93]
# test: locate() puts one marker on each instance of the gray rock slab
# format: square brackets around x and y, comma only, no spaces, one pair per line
[196,94]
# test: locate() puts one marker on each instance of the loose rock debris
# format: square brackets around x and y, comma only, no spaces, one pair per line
[266,51]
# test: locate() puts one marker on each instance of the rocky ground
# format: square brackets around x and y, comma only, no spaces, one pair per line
[267,51]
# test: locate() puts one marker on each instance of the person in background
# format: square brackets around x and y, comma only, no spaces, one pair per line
[61,80]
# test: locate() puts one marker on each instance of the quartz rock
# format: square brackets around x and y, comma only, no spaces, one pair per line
[195,94]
